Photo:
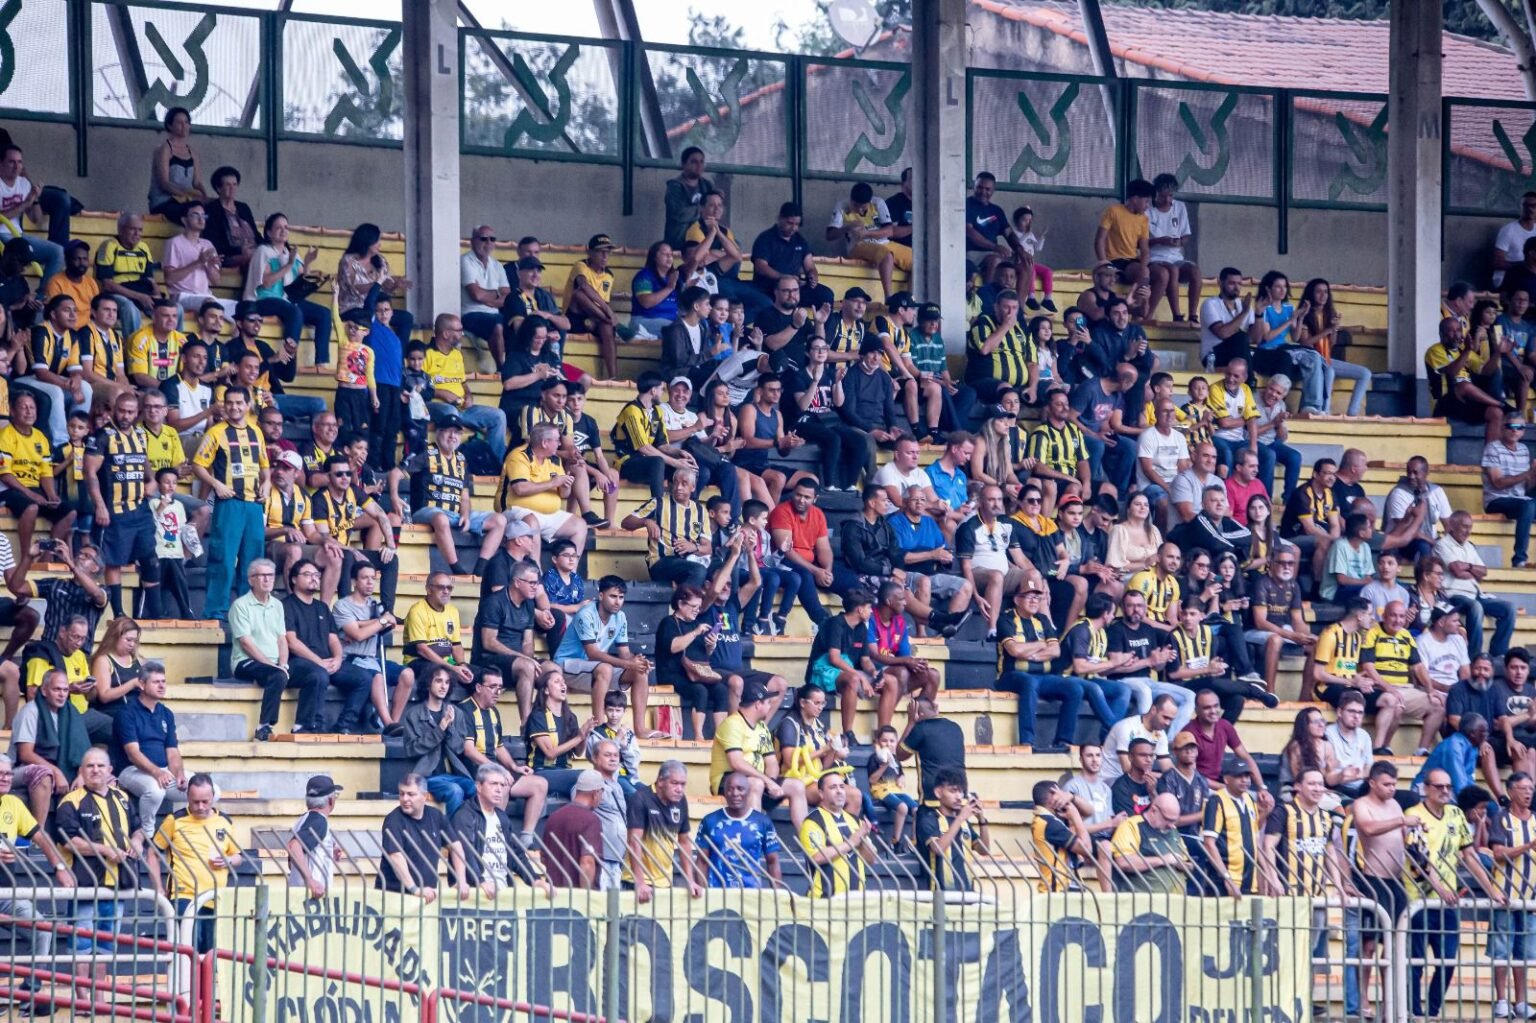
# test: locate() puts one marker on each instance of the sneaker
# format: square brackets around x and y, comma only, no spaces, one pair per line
[780,624]
[1382,751]
[525,839]
[264,733]
[1252,678]
[765,627]
[1270,700]
[1032,302]
[1049,305]
[1422,751]
[991,635]
[849,740]
[1524,1010]
[594,520]
[1501,1009]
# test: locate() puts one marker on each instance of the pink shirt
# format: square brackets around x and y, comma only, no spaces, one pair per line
[1238,496]
[179,252]
[1213,748]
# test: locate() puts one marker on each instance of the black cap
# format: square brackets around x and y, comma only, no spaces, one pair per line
[450,422]
[1231,766]
[855,292]
[901,300]
[359,316]
[754,693]
[599,241]
[928,312]
[530,263]
[320,785]
[244,309]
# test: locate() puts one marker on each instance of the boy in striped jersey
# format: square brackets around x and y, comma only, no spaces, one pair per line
[1512,836]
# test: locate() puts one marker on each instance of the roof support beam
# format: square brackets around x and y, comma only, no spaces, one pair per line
[939,182]
[430,48]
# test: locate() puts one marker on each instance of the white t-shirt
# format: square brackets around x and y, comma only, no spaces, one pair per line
[1172,223]
[192,401]
[1354,751]
[879,214]
[1400,502]
[488,275]
[1165,453]
[1511,242]
[1118,741]
[13,196]
[1448,550]
[1444,659]
[1214,311]
[890,476]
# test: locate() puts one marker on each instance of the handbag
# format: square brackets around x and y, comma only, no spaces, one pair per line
[698,671]
[703,452]
[304,285]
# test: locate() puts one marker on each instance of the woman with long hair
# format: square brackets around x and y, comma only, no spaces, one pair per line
[1428,590]
[552,732]
[818,393]
[116,666]
[1134,540]
[275,267]
[1321,330]
[175,176]
[1276,349]
[1307,750]
[654,290]
[427,725]
[1506,374]
[364,267]
[998,455]
[1264,535]
[807,751]
[683,648]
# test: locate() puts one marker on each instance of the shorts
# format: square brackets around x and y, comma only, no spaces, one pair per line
[941,585]
[28,775]
[578,666]
[1121,266]
[477,520]
[874,252]
[1511,934]
[1333,691]
[823,675]
[550,524]
[1453,408]
[895,799]
[1259,636]
[18,502]
[1416,703]
[750,677]
[1390,895]
[9,609]
[129,539]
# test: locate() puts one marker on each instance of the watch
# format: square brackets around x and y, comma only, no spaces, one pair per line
[412,889]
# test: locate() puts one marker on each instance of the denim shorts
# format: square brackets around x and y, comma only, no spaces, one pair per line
[1511,934]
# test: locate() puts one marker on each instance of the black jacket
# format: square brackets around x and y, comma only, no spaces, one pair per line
[677,354]
[469,826]
[870,549]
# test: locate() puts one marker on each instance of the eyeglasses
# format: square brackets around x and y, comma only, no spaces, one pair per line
[1441,785]
[443,586]
[1032,500]
[486,238]
[1285,561]
[337,474]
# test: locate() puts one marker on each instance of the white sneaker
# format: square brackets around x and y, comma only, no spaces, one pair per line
[1524,1010]
[1501,1009]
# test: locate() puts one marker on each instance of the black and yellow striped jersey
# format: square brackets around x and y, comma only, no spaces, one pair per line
[236,456]
[443,483]
[338,515]
[1301,857]
[288,511]
[946,871]
[1515,877]
[1013,625]
[1195,650]
[843,336]
[1053,840]
[57,351]
[822,829]
[71,476]
[1009,361]
[678,521]
[636,427]
[901,340]
[1060,448]
[1393,654]
[482,726]
[314,455]
[106,351]
[1338,653]
[533,415]
[108,819]
[1161,593]
[1233,822]
[125,472]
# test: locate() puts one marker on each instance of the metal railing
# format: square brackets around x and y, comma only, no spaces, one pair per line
[285,77]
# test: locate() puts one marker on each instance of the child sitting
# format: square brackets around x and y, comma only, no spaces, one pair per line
[1027,246]
[613,729]
[887,784]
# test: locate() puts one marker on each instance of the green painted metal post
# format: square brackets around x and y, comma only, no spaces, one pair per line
[81,97]
[1256,960]
[272,90]
[259,977]
[611,959]
[794,122]
[940,981]
[628,59]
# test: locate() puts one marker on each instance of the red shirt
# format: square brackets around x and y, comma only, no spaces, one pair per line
[1238,496]
[1213,747]
[803,532]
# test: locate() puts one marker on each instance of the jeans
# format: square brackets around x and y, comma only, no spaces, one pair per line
[96,916]
[1341,370]
[1520,511]
[129,316]
[678,570]
[1296,361]
[487,419]
[1116,464]
[45,254]
[152,796]
[809,599]
[40,939]
[1475,611]
[1439,931]
[1145,690]
[1279,452]
[355,685]
[58,409]
[237,537]
[841,447]
[1228,450]
[451,790]
[723,475]
[295,315]
[774,581]
[736,290]
[1067,693]
[1111,702]
[300,406]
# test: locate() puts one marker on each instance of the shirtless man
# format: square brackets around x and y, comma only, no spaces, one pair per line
[1383,830]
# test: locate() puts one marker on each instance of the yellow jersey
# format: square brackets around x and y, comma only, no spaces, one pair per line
[445,372]
[152,356]
[736,736]
[28,457]
[521,467]
[438,629]
[191,845]
[823,829]
[76,666]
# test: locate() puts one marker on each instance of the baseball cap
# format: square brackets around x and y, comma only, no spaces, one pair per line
[1230,766]
[1439,611]
[599,241]
[855,292]
[928,312]
[516,530]
[589,781]
[450,422]
[321,785]
[754,693]
[901,300]
[291,459]
[1184,739]
[681,379]
[530,263]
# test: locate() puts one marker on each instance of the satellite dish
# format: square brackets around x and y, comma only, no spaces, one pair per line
[856,21]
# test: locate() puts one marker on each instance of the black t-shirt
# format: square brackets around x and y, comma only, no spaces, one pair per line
[953,875]
[519,363]
[1129,797]
[1346,494]
[936,743]
[783,255]
[900,209]
[1509,703]
[1463,700]
[788,359]
[852,641]
[312,623]
[421,840]
[510,621]
[669,665]
[821,401]
[1277,599]
[1139,643]
[498,574]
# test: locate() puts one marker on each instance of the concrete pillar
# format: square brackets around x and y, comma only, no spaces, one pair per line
[939,179]
[431,63]
[1413,183]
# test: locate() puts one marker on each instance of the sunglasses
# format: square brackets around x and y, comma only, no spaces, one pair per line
[486,238]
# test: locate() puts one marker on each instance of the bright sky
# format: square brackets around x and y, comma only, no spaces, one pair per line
[662,21]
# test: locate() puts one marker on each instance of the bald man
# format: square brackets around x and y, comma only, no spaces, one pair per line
[485,290]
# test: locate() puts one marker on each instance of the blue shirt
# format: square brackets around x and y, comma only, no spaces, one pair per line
[727,655]
[559,592]
[1274,318]
[950,489]
[154,731]
[737,849]
[587,627]
[1455,756]
[388,354]
[925,535]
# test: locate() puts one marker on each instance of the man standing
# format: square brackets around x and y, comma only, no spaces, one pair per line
[1302,855]
[118,479]
[1230,832]
[573,836]
[935,741]
[612,810]
[1507,474]
[415,836]
[16,822]
[258,634]
[1148,651]
[685,196]
[199,844]
[147,756]
[738,846]
[1512,933]
[657,819]
[313,851]
[232,462]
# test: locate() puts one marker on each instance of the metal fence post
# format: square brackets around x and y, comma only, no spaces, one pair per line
[259,974]
[940,980]
[611,959]
[1255,930]
[1399,953]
